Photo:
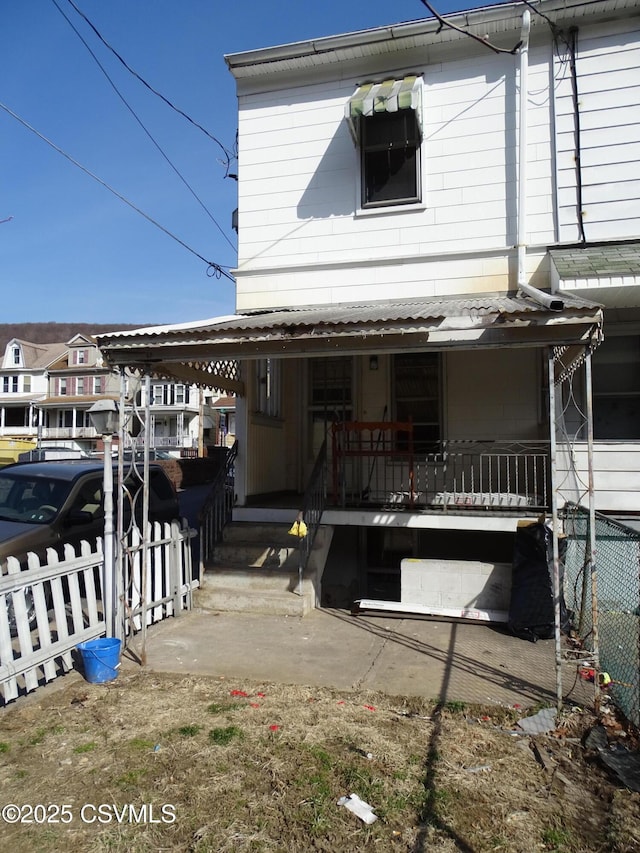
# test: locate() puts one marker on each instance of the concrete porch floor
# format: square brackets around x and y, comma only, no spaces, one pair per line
[437,659]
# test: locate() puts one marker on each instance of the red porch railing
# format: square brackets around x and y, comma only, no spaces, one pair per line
[358,447]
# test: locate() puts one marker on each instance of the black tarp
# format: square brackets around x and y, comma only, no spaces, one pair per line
[531,610]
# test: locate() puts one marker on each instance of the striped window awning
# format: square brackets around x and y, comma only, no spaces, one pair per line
[390,96]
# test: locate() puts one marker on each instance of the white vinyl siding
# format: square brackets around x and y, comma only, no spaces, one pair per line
[303,239]
[609,102]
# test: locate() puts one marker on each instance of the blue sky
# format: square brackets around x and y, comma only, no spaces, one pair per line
[72,251]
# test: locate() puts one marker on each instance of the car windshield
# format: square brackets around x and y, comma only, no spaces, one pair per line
[30,499]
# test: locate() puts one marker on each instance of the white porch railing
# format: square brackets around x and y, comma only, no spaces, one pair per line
[379,463]
[48,609]
[174,441]
[68,432]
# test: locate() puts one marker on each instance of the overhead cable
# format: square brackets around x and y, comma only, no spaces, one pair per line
[211,265]
[229,155]
[446,23]
[145,129]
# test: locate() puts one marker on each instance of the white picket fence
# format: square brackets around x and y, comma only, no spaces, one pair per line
[65,599]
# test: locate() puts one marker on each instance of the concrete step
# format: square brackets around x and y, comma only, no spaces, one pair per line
[255,555]
[271,602]
[266,533]
[255,569]
[249,578]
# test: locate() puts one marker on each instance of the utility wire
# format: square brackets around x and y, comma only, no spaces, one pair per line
[216,269]
[229,155]
[445,23]
[145,129]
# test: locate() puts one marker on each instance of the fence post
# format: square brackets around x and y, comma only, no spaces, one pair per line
[174,567]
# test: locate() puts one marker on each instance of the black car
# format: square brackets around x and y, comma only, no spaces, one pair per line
[54,503]
[48,504]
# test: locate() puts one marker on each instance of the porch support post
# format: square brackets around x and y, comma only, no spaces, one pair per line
[119,583]
[555,526]
[145,527]
[591,556]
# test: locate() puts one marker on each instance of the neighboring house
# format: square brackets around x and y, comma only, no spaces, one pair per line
[76,381]
[223,420]
[23,385]
[428,229]
[48,389]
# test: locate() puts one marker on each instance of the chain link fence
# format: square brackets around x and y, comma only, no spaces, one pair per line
[617,561]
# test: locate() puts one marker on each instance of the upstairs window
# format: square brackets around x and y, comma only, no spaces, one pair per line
[390,159]
[385,122]
[160,395]
[16,355]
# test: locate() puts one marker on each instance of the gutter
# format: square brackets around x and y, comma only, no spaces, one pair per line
[553,303]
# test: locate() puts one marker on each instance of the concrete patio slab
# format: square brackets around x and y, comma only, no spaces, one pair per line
[436,659]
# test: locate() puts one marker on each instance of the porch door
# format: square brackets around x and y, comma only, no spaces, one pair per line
[417,395]
[330,398]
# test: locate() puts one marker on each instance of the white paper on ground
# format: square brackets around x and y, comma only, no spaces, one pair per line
[359,808]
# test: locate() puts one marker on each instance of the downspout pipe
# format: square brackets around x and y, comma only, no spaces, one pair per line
[547,300]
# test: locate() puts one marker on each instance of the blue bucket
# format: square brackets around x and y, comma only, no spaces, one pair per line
[100,659]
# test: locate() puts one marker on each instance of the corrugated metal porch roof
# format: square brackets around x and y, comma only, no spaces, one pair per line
[204,352]
[413,312]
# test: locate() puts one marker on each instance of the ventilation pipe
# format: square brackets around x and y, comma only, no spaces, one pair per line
[551,302]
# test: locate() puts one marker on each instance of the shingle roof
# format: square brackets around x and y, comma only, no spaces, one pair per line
[40,355]
[582,262]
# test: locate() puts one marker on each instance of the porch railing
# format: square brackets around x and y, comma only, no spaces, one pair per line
[313,504]
[68,432]
[381,464]
[217,507]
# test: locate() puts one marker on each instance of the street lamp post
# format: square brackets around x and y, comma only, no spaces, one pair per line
[104,417]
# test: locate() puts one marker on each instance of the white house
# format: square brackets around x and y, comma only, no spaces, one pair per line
[436,222]
[24,383]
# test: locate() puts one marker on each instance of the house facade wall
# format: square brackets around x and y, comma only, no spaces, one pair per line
[304,240]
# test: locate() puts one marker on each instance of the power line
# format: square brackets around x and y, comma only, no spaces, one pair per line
[446,23]
[137,118]
[229,155]
[217,269]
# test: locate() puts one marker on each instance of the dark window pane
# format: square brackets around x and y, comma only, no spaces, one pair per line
[391,175]
[390,144]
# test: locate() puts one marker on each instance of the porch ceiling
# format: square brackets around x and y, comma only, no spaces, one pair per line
[487,321]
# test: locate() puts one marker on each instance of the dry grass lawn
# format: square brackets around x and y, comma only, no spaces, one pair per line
[162,762]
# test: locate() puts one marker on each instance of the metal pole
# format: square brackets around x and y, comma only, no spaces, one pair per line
[144,523]
[120,563]
[107,548]
[555,526]
[592,534]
